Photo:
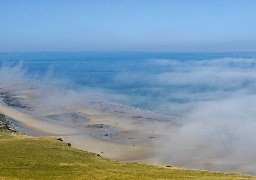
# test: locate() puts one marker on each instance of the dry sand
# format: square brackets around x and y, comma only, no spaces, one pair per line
[111,133]
[112,130]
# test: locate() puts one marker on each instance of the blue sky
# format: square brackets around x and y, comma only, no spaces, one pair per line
[174,25]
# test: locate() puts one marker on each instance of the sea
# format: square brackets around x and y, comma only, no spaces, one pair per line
[212,94]
[166,83]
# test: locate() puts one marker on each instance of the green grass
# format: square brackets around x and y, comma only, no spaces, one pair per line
[26,157]
[44,158]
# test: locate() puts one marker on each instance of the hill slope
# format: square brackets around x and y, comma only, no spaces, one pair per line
[26,157]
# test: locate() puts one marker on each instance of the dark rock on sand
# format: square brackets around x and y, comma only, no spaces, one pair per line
[151,137]
[5,124]
[103,131]
[96,126]
[68,117]
[137,117]
[59,139]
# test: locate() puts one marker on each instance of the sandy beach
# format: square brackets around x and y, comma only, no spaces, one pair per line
[117,131]
[113,131]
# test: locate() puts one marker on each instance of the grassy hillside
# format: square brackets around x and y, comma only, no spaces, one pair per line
[44,158]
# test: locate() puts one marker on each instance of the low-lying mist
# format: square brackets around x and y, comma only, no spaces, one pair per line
[220,115]
[217,99]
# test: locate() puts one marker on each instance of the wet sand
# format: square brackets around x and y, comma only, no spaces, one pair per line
[113,131]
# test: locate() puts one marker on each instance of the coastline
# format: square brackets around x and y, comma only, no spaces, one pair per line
[111,130]
[81,164]
[97,130]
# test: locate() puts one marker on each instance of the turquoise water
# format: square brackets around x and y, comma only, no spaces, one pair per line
[168,83]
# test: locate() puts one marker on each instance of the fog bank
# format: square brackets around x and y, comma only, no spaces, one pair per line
[215,99]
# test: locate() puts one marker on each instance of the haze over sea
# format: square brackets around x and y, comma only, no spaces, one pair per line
[212,94]
[167,83]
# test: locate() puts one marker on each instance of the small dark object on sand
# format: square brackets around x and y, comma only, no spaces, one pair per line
[137,117]
[69,144]
[95,125]
[151,137]
[168,166]
[59,139]
[13,130]
[98,155]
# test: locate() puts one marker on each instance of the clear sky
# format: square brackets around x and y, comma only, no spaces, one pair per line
[132,25]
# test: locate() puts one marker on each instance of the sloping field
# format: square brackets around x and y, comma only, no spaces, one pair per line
[44,158]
